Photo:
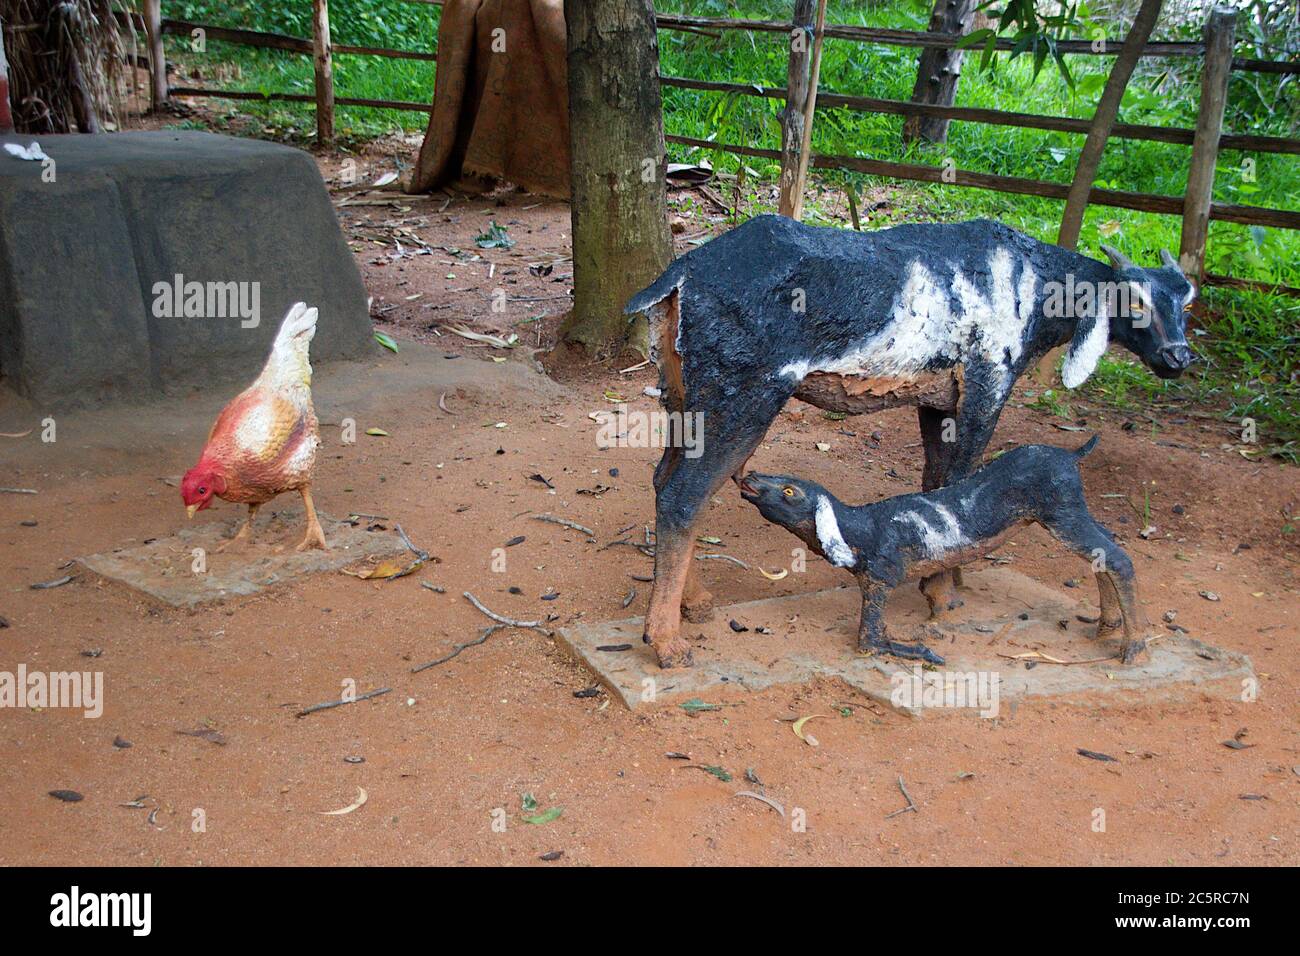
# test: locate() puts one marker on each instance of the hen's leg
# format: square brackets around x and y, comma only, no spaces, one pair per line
[245,532]
[315,537]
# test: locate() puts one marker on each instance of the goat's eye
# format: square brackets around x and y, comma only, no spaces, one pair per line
[1187,307]
[788,491]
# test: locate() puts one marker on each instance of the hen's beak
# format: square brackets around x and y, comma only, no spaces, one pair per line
[190,509]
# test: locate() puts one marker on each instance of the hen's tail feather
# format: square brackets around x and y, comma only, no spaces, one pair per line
[299,322]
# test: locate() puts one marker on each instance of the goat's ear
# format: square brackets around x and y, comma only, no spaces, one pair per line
[1091,336]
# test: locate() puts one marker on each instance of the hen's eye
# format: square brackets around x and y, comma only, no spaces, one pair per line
[202,490]
[788,491]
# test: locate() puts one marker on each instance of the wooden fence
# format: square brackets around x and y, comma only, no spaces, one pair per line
[1196,207]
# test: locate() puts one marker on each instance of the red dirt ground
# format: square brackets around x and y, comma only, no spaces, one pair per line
[451,745]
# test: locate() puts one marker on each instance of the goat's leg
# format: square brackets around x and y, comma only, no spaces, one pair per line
[872,636]
[683,488]
[938,457]
[1116,583]
[696,601]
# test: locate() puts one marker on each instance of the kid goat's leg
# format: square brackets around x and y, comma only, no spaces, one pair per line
[1116,582]
[871,628]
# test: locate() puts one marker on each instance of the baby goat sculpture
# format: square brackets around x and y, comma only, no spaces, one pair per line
[910,536]
[945,317]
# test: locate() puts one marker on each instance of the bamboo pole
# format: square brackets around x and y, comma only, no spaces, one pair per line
[796,96]
[810,107]
[1219,30]
[1103,118]
[322,58]
[157,57]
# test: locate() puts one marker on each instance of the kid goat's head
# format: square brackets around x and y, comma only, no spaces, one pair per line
[1149,317]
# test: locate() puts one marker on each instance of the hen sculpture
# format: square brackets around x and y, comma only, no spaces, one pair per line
[264,441]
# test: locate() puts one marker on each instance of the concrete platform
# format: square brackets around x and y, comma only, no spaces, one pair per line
[814,636]
[84,243]
[163,569]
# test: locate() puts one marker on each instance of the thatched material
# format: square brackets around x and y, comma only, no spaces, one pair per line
[66,64]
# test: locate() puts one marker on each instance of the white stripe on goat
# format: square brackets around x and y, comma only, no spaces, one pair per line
[833,544]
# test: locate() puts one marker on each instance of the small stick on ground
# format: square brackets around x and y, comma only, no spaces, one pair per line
[911,804]
[19,491]
[710,556]
[565,523]
[501,619]
[487,632]
[330,704]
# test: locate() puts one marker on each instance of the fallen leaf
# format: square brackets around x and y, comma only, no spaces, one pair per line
[357,804]
[774,577]
[377,432]
[547,817]
[762,799]
[797,727]
[695,706]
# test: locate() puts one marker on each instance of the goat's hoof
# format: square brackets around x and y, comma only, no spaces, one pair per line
[1108,629]
[1130,651]
[911,652]
[699,612]
[674,653]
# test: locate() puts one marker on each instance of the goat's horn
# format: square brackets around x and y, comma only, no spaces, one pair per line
[1168,259]
[1117,258]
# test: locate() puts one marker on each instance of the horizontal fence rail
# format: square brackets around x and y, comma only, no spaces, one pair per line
[1142,202]
[1064,124]
[947,41]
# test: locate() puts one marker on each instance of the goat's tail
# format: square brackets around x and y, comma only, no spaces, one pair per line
[1087,447]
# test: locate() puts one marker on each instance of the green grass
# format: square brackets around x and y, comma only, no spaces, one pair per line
[1248,348]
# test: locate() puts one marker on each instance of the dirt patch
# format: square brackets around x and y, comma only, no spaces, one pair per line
[452,743]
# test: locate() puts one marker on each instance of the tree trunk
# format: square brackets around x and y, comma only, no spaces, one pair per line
[937,71]
[322,58]
[1102,121]
[796,95]
[6,117]
[621,240]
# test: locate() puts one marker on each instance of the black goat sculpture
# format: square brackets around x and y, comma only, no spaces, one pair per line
[916,535]
[945,317]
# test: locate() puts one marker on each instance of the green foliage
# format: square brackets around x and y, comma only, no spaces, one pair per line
[1250,340]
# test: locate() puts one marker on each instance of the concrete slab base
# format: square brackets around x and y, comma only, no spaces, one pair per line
[164,569]
[815,636]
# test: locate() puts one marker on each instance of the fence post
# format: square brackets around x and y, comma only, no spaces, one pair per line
[322,55]
[796,94]
[1219,29]
[158,91]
